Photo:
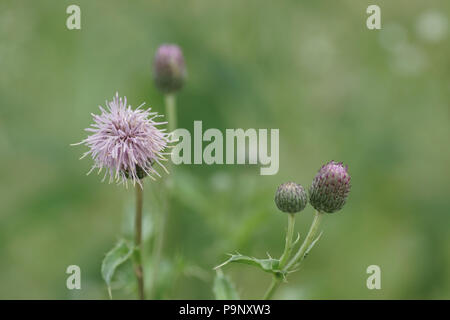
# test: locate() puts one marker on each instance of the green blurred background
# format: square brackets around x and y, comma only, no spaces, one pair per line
[377,100]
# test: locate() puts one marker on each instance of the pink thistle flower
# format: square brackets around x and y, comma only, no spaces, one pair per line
[126,142]
[330,187]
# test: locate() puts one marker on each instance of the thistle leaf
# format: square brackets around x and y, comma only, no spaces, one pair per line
[113,259]
[223,287]
[268,265]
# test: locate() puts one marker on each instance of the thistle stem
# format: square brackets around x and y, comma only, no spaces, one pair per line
[289,236]
[300,255]
[273,286]
[288,249]
[138,241]
[171,114]
[284,257]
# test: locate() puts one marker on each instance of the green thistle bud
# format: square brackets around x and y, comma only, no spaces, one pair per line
[330,187]
[291,197]
[169,68]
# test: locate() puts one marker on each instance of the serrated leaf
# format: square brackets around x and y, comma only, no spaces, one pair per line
[223,287]
[268,265]
[121,252]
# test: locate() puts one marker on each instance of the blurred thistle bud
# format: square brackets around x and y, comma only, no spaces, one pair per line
[169,68]
[291,197]
[330,187]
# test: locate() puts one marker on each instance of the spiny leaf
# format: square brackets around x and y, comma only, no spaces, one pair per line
[113,259]
[223,288]
[268,265]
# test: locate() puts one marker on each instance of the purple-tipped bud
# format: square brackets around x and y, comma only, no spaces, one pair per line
[330,187]
[169,68]
[291,197]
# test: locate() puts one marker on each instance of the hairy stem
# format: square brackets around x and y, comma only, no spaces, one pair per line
[138,241]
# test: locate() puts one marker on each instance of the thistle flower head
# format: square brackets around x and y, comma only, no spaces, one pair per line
[291,197]
[169,68]
[125,142]
[330,187]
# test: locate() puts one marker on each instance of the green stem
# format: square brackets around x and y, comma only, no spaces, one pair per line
[273,286]
[171,111]
[284,257]
[307,242]
[138,241]
[288,250]
[171,115]
[289,236]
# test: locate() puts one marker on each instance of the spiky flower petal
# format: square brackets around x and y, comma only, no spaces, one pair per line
[126,142]
[169,68]
[291,197]
[330,187]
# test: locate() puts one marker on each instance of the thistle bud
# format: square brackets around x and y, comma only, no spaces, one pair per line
[330,187]
[169,68]
[291,197]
